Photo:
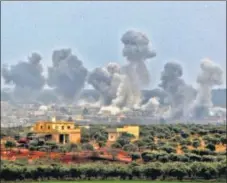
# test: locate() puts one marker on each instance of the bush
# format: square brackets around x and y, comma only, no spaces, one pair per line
[123,141]
[223,140]
[202,152]
[208,158]
[196,143]
[153,171]
[10,144]
[168,149]
[211,147]
[148,157]
[184,135]
[13,171]
[193,157]
[116,145]
[179,171]
[135,156]
[130,148]
[87,146]
[33,148]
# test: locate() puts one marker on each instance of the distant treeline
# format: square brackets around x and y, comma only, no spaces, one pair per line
[47,96]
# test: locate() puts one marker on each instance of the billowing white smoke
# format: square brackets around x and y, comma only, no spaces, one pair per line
[137,51]
[127,82]
[211,75]
[88,102]
[151,105]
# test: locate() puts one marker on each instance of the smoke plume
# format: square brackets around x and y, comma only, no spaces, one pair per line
[179,93]
[26,77]
[67,74]
[137,51]
[151,105]
[211,75]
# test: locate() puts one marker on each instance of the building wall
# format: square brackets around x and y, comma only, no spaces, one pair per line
[57,128]
[74,137]
[52,127]
[134,130]
[55,138]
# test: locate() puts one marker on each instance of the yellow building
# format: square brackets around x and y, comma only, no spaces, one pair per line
[58,131]
[114,134]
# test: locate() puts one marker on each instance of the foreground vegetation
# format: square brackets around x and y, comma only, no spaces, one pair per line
[119,181]
[163,152]
[12,171]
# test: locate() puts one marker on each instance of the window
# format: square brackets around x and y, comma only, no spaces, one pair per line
[68,127]
[41,127]
[48,127]
[62,127]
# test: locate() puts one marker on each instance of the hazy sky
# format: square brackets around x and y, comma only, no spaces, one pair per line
[181,31]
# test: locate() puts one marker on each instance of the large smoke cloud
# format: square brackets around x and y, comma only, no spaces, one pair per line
[26,77]
[137,51]
[119,87]
[179,93]
[211,75]
[100,79]
[67,74]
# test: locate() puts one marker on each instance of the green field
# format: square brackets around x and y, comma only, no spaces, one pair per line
[120,181]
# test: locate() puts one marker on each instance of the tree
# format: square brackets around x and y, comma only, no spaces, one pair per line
[123,141]
[130,147]
[102,143]
[116,145]
[223,140]
[10,144]
[196,143]
[211,147]
[178,170]
[153,171]
[135,156]
[87,146]
[168,149]
[184,135]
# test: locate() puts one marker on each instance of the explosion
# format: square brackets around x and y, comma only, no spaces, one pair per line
[67,74]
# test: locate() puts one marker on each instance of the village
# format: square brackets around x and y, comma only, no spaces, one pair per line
[57,132]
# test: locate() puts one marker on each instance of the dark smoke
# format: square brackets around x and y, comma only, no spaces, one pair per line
[179,93]
[25,76]
[67,74]
[101,80]
[136,50]
[106,82]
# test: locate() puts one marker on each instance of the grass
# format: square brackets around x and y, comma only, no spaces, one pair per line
[118,181]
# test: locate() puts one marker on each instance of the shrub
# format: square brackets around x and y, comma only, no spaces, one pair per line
[193,157]
[130,147]
[135,156]
[208,158]
[196,143]
[211,147]
[153,171]
[179,171]
[223,140]
[10,144]
[184,135]
[168,149]
[87,146]
[116,145]
[148,157]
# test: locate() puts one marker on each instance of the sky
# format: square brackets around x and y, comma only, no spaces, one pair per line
[185,32]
